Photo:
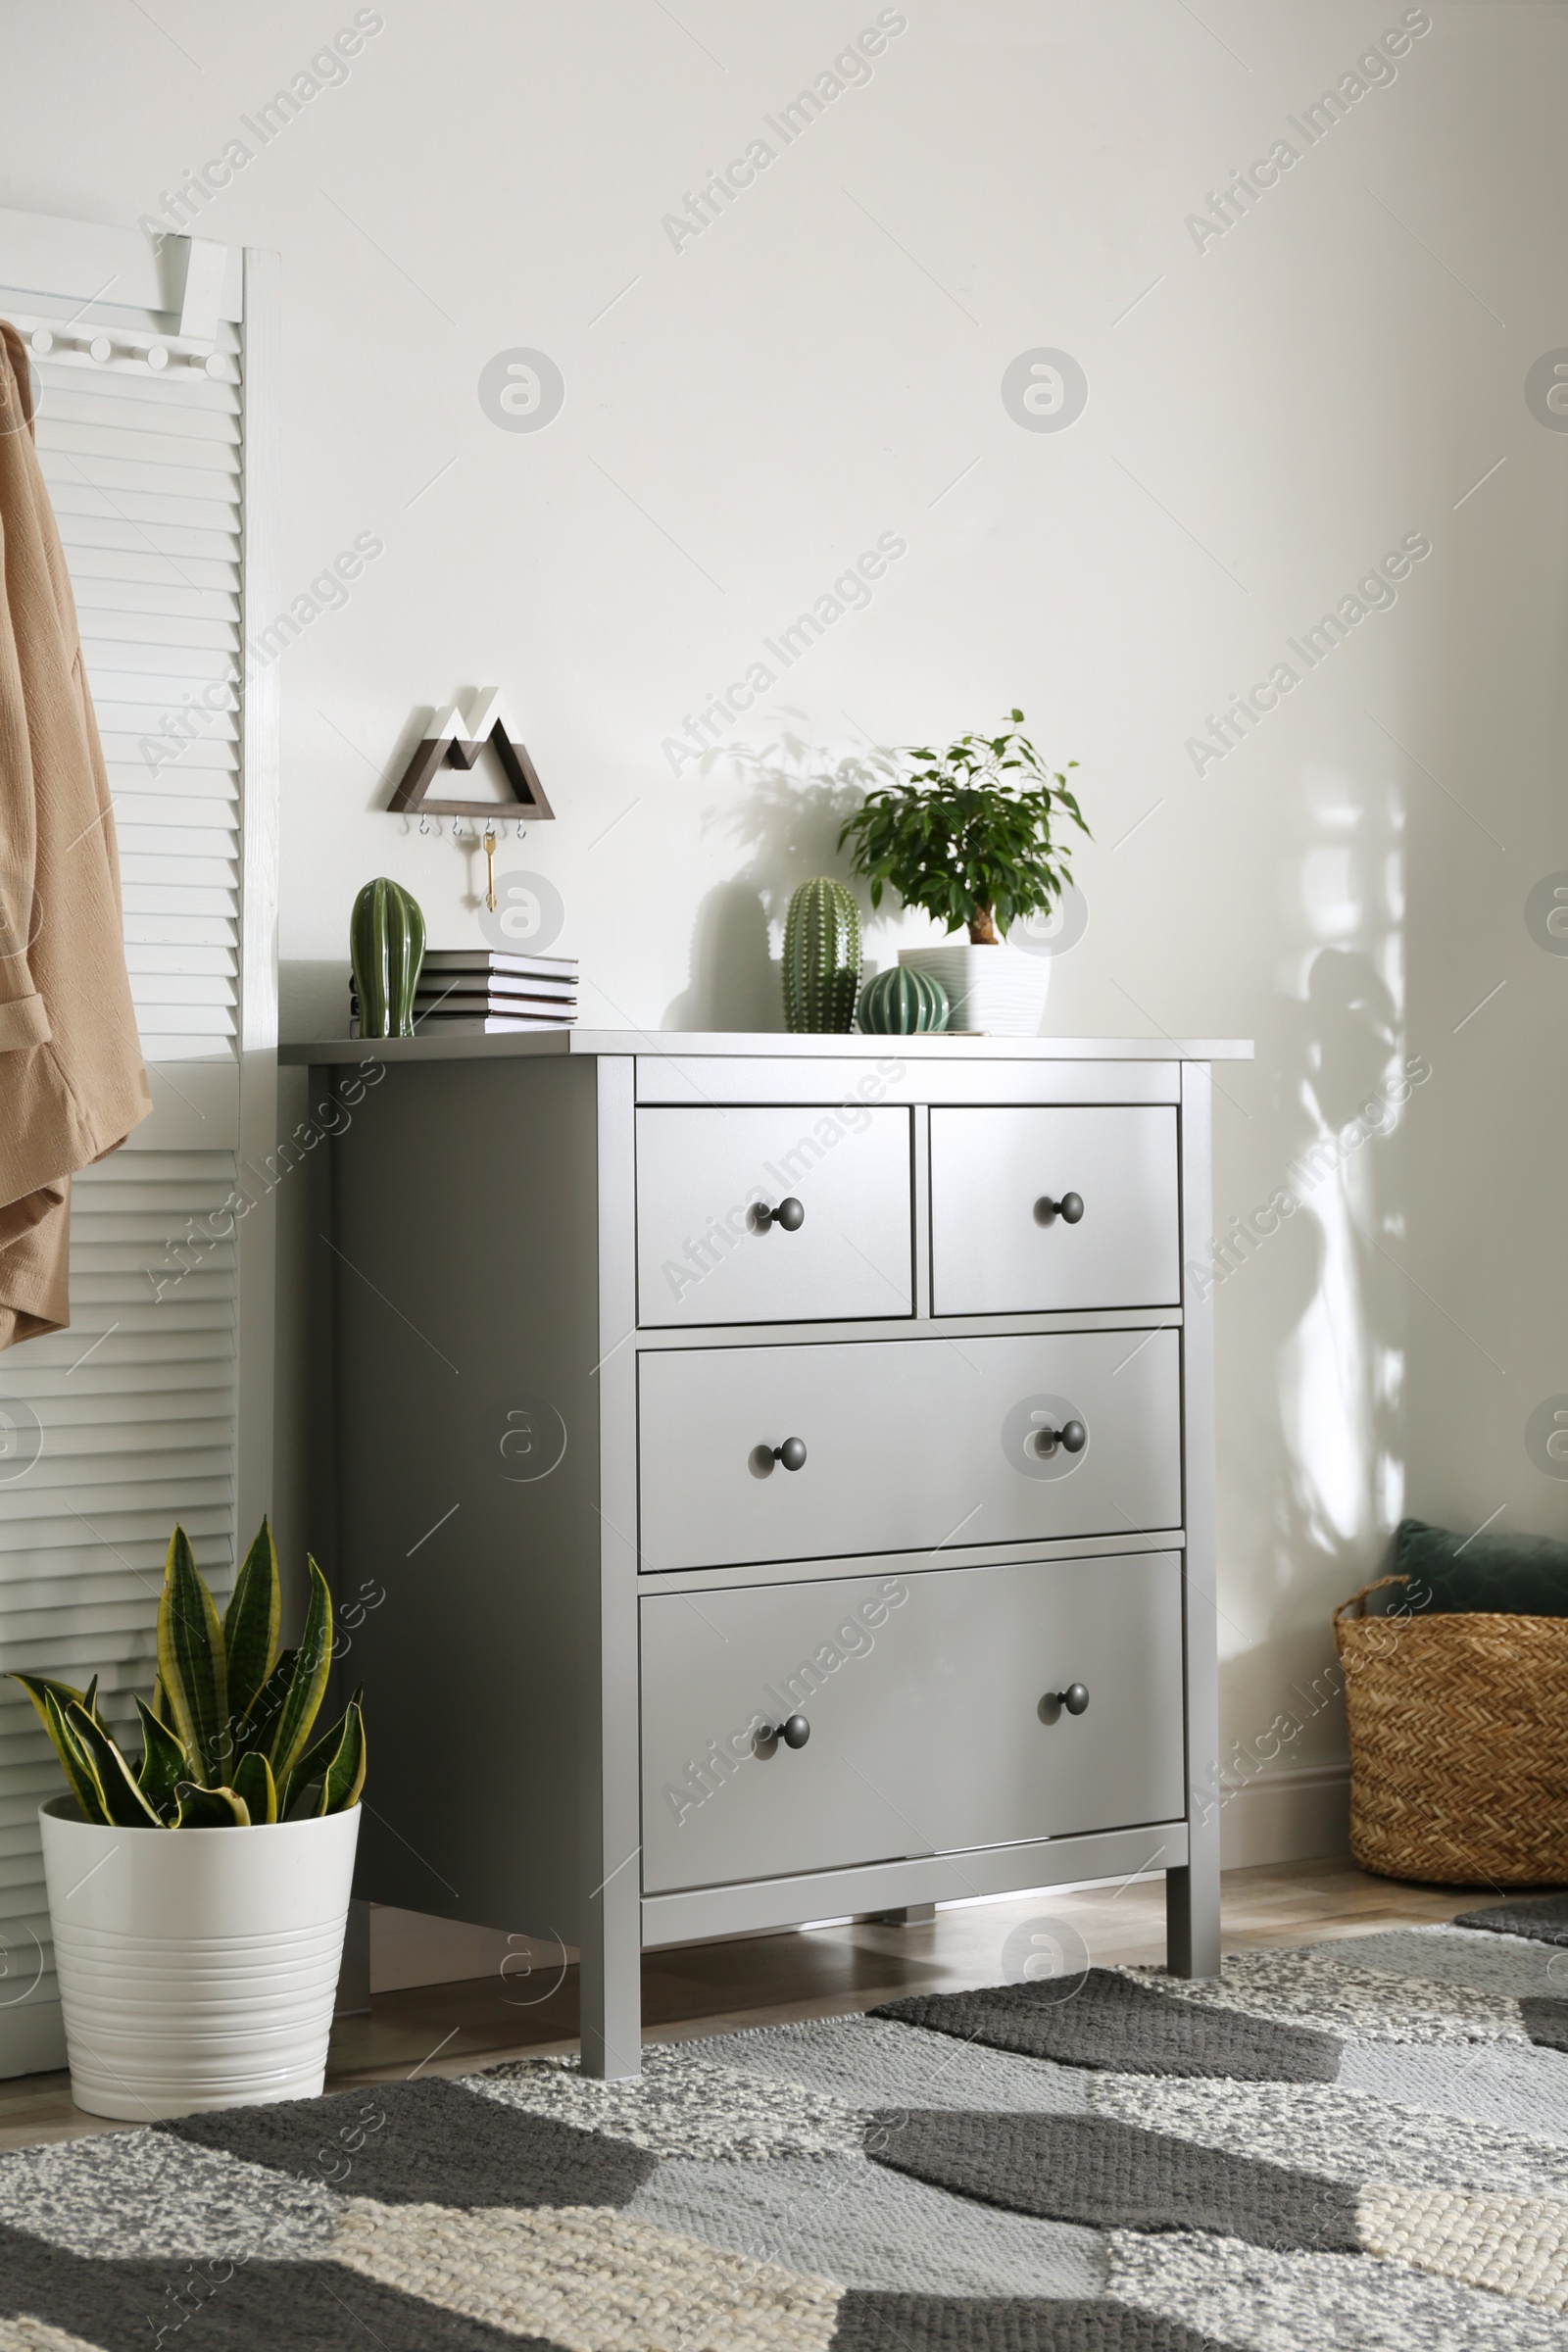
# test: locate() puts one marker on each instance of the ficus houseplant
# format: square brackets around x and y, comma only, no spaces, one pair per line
[198,1894]
[971,836]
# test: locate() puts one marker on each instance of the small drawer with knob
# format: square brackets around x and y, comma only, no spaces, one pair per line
[792,1453]
[800,1213]
[797,1728]
[1036,1210]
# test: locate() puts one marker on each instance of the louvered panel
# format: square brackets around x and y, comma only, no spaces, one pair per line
[203,823]
[138,1401]
[185,860]
[103,544]
[152,440]
[146,602]
[168,799]
[145,471]
[206,411]
[154,626]
[137,1404]
[218,963]
[196,931]
[164,992]
[210,523]
[171,898]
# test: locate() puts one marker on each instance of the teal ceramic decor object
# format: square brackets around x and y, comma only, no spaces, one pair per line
[387,947]
[902,1002]
[822,959]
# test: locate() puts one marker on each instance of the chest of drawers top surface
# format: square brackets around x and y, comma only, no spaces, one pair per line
[727,1044]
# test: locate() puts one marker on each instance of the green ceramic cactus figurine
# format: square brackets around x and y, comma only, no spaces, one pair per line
[902,1002]
[386,946]
[821,958]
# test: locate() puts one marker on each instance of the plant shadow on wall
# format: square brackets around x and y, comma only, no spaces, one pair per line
[786,803]
[1324,1476]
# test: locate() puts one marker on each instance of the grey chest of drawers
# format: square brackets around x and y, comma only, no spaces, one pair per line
[777,1476]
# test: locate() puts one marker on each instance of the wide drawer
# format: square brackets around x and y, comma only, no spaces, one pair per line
[933,1720]
[908,1445]
[707,1248]
[1000,1244]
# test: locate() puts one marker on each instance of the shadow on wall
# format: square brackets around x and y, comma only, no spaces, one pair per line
[785,803]
[313,1000]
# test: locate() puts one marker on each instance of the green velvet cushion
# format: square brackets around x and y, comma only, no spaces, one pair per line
[1523,1574]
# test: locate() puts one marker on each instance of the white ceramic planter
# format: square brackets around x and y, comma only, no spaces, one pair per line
[198,1968]
[999,989]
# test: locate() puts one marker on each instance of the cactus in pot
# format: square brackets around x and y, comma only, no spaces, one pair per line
[822,959]
[387,947]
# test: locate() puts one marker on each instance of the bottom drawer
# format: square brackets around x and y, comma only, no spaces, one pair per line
[932,1724]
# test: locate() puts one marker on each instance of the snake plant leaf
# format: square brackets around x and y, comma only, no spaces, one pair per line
[124,1802]
[90,1702]
[211,1809]
[37,1687]
[190,1662]
[256,1729]
[76,1763]
[345,1775]
[317,1762]
[252,1786]
[251,1622]
[164,1763]
[308,1684]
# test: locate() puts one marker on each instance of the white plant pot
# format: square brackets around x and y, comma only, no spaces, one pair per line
[198,1968]
[999,989]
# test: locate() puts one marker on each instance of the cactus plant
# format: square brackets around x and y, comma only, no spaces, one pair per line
[386,946]
[821,958]
[902,1002]
[226,1741]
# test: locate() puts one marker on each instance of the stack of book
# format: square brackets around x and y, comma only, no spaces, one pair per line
[480,992]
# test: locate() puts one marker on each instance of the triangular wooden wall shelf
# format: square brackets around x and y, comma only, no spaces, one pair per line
[456,742]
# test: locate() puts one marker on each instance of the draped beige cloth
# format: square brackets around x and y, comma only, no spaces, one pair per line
[71,1080]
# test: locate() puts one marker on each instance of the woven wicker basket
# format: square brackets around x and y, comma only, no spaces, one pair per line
[1459,1754]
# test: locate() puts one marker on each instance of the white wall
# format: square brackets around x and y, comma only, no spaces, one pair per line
[821,366]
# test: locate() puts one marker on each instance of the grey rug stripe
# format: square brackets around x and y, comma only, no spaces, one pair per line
[1131,2026]
[1541,1916]
[1075,2168]
[922,2324]
[868,2227]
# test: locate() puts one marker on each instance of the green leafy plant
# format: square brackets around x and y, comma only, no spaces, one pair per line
[967,836]
[226,1741]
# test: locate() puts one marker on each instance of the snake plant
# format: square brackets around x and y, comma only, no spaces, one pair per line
[226,1741]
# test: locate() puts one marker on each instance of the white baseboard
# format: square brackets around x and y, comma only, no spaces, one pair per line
[1292,1816]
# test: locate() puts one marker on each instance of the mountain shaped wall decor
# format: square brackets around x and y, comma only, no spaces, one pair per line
[456,740]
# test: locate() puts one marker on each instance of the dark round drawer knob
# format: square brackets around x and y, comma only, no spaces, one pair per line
[792,1215]
[1069,1208]
[792,1454]
[1075,1698]
[794,1731]
[1073,1438]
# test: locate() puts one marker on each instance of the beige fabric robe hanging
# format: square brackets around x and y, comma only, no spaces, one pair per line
[71,1080]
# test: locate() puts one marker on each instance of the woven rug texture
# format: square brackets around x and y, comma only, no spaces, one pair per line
[1362,2144]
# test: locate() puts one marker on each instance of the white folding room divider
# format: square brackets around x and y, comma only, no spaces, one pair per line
[155,430]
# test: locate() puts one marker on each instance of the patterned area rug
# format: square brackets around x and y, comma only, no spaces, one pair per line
[1363,2145]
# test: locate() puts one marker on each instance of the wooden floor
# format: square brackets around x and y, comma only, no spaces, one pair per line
[812,1971]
